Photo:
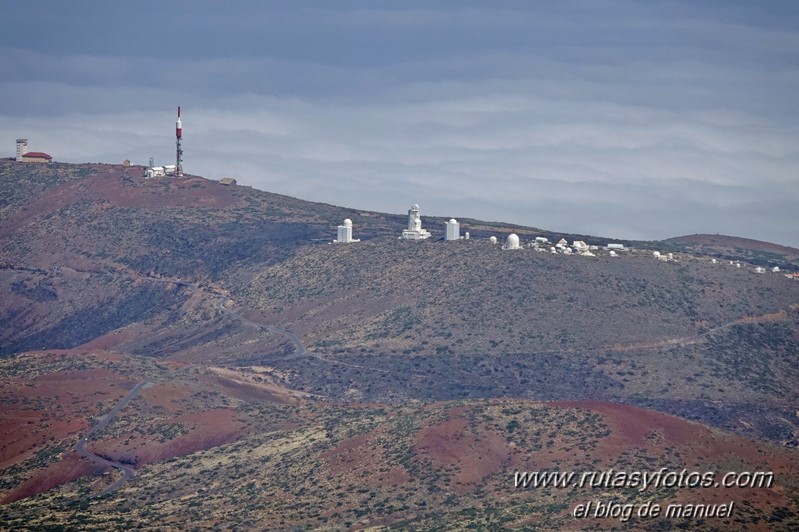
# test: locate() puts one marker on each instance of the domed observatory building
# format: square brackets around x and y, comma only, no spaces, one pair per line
[414,230]
[512,242]
[345,233]
[453,229]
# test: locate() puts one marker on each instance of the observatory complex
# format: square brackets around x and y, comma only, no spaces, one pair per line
[414,230]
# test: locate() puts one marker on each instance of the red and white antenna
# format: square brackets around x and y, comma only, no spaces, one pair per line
[178,138]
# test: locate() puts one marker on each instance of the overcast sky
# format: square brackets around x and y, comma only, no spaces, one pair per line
[630,119]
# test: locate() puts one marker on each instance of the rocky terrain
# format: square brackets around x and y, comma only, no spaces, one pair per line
[291,383]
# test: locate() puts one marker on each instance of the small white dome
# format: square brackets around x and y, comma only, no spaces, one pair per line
[415,207]
[656,254]
[453,221]
[348,222]
[493,240]
[512,241]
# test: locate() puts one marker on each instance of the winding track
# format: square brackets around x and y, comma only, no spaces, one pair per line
[81,449]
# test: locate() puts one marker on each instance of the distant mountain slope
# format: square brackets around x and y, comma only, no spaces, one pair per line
[297,384]
[736,248]
[97,255]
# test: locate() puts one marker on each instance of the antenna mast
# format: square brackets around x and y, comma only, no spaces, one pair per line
[178,139]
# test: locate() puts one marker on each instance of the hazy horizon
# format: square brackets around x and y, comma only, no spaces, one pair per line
[613,118]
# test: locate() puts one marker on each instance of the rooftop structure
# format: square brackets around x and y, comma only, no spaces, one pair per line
[414,230]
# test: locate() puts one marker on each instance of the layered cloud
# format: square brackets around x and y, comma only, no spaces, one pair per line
[616,118]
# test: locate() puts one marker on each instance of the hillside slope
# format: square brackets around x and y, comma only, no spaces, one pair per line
[128,278]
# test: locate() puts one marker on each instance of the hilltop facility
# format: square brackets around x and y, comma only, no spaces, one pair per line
[25,156]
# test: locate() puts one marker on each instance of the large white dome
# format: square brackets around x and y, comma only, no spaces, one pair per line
[348,222]
[512,241]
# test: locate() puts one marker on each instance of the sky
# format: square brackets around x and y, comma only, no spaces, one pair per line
[631,119]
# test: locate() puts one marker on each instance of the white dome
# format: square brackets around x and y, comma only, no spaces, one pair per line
[493,240]
[348,222]
[453,221]
[415,207]
[656,254]
[512,241]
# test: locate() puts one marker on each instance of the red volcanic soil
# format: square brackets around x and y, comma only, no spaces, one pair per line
[206,430]
[634,427]
[45,408]
[631,425]
[116,189]
[473,451]
[70,468]
[360,458]
[733,242]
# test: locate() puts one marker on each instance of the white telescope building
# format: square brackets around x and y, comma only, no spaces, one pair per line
[345,233]
[453,229]
[512,242]
[414,230]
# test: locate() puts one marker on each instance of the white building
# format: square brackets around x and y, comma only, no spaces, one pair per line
[541,240]
[617,247]
[512,242]
[414,230]
[345,233]
[155,171]
[760,269]
[22,148]
[579,246]
[160,171]
[453,229]
[775,269]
